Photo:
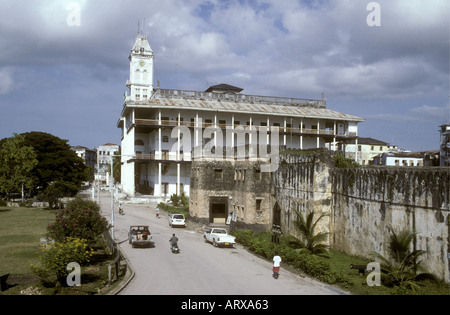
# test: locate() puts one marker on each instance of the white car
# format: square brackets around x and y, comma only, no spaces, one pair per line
[219,237]
[177,219]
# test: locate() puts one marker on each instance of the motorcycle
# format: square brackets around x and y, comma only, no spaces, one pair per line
[175,249]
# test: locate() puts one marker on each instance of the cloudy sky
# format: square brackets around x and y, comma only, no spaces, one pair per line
[66,76]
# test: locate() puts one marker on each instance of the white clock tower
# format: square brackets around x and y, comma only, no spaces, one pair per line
[141,70]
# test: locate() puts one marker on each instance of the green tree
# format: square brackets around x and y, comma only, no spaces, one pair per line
[17,162]
[57,190]
[57,161]
[312,242]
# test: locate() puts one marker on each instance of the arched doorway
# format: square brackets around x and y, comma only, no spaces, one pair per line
[276,223]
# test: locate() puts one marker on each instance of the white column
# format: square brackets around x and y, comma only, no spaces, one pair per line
[334,136]
[215,133]
[196,130]
[318,133]
[232,133]
[159,156]
[159,193]
[178,137]
[178,179]
[178,155]
[250,134]
[301,134]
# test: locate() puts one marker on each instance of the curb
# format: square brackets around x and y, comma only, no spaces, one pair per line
[130,273]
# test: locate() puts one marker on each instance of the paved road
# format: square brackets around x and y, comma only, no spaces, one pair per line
[200,268]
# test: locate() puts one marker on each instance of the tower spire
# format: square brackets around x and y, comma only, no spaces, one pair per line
[141,68]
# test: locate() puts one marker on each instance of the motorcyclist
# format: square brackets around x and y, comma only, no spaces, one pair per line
[173,241]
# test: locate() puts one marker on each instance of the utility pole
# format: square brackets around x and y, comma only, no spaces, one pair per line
[111,187]
[112,196]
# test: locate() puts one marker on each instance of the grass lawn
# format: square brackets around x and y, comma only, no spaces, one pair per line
[20,233]
[340,263]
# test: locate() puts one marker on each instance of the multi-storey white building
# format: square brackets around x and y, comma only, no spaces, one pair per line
[367,149]
[163,130]
[105,153]
[399,159]
[89,156]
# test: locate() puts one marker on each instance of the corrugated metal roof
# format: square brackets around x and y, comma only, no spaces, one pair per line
[245,107]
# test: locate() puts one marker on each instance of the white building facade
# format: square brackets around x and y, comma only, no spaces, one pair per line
[367,148]
[164,130]
[105,153]
[89,156]
[399,159]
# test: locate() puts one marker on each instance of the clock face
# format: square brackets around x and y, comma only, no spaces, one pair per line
[142,63]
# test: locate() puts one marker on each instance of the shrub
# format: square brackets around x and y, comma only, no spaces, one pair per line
[180,201]
[243,236]
[83,204]
[54,260]
[57,190]
[26,204]
[341,162]
[262,248]
[174,209]
[85,223]
[310,264]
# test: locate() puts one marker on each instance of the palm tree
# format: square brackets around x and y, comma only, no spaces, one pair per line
[313,243]
[403,266]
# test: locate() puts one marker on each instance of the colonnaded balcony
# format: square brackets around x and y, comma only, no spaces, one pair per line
[165,156]
[281,129]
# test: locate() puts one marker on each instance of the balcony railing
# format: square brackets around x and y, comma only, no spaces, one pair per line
[164,157]
[255,99]
[288,130]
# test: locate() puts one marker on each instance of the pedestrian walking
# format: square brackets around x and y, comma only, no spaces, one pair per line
[157,212]
[276,265]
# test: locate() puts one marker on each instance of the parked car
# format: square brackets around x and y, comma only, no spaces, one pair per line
[139,235]
[177,219]
[219,237]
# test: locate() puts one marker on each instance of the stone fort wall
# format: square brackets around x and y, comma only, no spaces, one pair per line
[363,203]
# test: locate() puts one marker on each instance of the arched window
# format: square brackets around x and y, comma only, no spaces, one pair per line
[138,142]
[165,139]
[137,75]
[145,76]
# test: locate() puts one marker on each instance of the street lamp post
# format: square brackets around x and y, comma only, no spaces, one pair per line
[112,196]
[111,187]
